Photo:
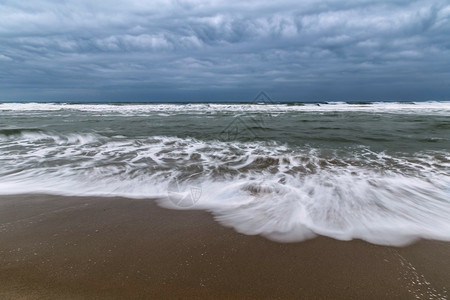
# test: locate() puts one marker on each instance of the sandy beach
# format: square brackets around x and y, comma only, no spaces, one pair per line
[117,248]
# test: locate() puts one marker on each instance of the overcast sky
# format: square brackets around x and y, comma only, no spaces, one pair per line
[186,50]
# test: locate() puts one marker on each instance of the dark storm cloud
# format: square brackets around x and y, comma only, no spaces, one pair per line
[209,50]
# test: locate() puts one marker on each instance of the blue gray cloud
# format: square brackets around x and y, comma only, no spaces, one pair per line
[189,50]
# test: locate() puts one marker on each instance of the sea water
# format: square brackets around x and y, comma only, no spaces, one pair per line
[373,171]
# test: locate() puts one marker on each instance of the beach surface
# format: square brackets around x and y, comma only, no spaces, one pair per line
[118,248]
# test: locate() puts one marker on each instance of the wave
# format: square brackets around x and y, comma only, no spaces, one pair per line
[279,191]
[428,107]
[35,137]
[17,131]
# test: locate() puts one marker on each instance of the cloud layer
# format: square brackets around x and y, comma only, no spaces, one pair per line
[210,50]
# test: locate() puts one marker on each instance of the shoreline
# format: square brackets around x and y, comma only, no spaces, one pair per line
[98,248]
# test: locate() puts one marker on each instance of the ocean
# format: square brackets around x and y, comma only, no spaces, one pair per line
[379,172]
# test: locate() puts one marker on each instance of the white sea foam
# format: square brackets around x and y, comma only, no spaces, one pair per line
[283,193]
[429,107]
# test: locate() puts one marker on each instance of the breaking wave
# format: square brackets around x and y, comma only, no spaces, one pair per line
[283,192]
[427,107]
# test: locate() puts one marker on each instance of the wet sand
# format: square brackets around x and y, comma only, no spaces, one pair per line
[54,247]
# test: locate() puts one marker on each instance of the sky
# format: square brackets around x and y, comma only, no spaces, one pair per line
[205,50]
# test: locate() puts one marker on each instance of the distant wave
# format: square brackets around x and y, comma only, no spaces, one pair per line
[430,107]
